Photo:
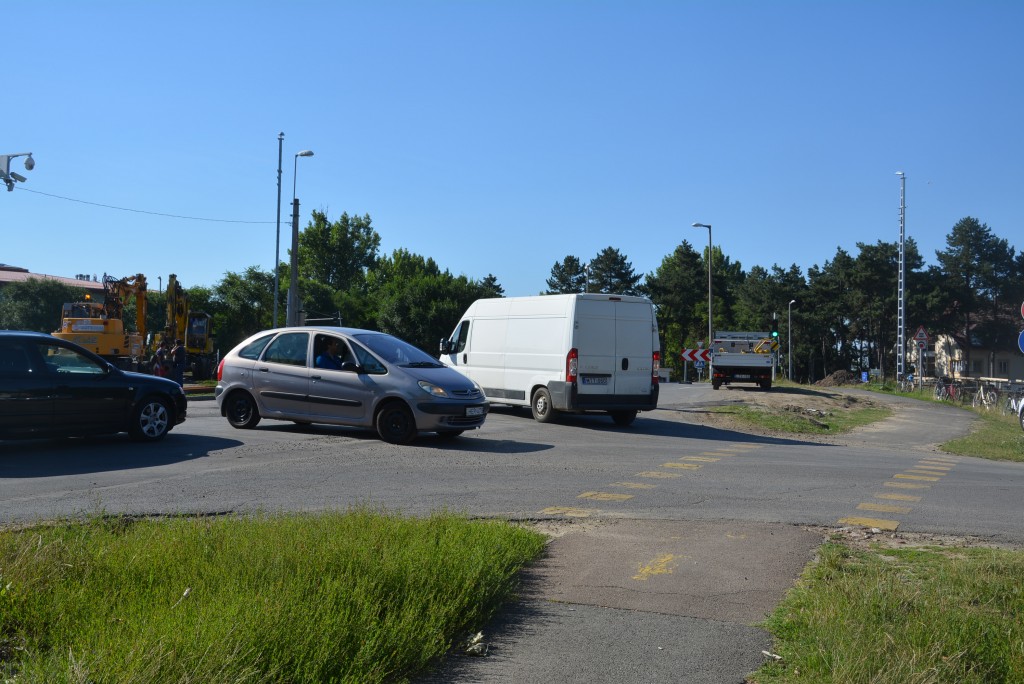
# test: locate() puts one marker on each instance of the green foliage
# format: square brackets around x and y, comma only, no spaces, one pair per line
[35,304]
[612,274]
[353,597]
[567,277]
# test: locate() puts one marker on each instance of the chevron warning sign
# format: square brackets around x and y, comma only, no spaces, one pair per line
[695,355]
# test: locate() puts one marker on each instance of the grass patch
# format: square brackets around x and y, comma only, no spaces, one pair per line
[902,616]
[340,597]
[799,421]
[995,437]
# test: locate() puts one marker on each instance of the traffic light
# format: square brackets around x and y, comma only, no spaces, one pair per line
[775,328]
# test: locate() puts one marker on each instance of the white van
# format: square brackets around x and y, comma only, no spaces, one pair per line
[572,353]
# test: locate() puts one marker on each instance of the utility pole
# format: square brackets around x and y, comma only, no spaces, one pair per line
[901,320]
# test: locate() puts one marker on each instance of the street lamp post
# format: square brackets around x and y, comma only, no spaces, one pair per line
[789,344]
[292,313]
[10,177]
[710,300]
[277,243]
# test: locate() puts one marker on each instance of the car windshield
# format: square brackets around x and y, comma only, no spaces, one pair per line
[398,352]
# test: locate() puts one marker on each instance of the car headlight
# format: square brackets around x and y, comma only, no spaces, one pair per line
[432,389]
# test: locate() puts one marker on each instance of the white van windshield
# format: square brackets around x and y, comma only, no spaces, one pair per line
[394,350]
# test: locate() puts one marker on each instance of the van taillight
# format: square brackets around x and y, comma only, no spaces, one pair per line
[220,370]
[572,361]
[656,367]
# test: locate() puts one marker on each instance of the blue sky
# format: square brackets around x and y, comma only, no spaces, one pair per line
[499,137]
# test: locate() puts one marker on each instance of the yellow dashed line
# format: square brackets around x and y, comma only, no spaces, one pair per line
[907,485]
[571,512]
[715,453]
[633,485]
[917,471]
[882,508]
[654,474]
[747,447]
[890,525]
[934,468]
[684,466]
[917,477]
[898,497]
[605,496]
[658,566]
[700,459]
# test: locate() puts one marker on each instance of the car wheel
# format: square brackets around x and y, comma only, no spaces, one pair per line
[447,435]
[151,420]
[540,405]
[623,418]
[395,424]
[241,411]
[716,385]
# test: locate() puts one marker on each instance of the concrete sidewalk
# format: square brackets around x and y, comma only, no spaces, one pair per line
[642,601]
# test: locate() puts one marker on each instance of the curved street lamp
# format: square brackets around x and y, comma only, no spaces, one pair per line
[292,313]
[710,334]
[789,345]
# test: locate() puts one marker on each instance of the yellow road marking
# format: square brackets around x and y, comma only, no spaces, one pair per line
[633,485]
[658,566]
[605,496]
[715,453]
[654,474]
[700,459]
[935,468]
[919,471]
[748,447]
[882,508]
[898,497]
[917,477]
[907,485]
[890,525]
[571,512]
[684,466]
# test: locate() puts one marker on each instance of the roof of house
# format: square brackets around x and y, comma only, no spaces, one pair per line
[16,274]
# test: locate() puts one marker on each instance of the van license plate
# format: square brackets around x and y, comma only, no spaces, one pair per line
[474,410]
[742,376]
[594,381]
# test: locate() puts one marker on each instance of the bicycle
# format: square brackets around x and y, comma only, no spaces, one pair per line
[987,397]
[907,384]
[1014,400]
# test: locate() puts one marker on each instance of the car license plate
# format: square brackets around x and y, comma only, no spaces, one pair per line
[474,410]
[587,380]
[742,376]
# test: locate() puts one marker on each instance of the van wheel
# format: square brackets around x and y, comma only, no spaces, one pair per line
[543,411]
[395,424]
[623,418]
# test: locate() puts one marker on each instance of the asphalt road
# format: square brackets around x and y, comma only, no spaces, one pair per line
[673,539]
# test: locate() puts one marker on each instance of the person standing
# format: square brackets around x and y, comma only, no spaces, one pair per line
[178,359]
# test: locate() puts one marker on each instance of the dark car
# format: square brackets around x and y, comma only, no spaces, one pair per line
[55,388]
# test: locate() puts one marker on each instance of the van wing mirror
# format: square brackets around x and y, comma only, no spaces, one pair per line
[446,346]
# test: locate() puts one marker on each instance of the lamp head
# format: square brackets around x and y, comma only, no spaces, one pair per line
[304,153]
[701,225]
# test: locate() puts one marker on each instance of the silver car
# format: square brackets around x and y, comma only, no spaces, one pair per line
[346,376]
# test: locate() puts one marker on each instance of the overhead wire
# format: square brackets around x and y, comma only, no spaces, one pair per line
[141,211]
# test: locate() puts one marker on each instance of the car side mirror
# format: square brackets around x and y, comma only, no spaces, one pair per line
[350,367]
[446,346]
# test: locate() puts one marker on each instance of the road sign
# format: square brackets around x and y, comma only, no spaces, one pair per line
[698,364]
[695,354]
[921,335]
[921,345]
[1020,342]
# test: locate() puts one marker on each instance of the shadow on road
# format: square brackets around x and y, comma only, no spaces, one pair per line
[80,455]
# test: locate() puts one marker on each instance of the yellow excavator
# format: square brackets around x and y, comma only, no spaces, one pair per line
[100,327]
[193,327]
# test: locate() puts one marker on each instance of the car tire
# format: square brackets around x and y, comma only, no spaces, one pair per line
[715,385]
[241,411]
[151,420]
[540,406]
[395,424]
[623,418]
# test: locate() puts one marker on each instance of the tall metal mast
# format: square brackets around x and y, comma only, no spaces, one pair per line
[901,320]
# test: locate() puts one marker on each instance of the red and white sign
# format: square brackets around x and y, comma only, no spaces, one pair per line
[696,354]
[922,334]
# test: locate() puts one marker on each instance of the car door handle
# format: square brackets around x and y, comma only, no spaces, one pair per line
[464,358]
[315,377]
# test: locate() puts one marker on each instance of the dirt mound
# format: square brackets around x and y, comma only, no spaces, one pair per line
[840,378]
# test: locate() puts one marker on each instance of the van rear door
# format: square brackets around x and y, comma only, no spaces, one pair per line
[594,339]
[634,347]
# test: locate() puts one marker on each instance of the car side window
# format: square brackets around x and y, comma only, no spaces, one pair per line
[370,363]
[288,348]
[63,360]
[15,361]
[253,350]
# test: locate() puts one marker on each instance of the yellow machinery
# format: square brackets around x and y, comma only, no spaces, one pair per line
[191,326]
[100,327]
